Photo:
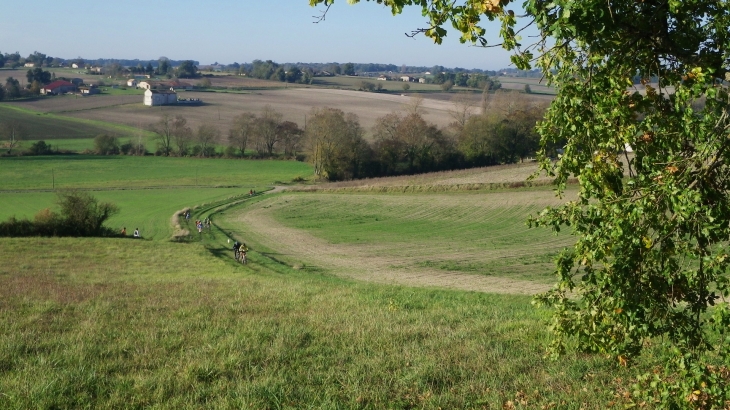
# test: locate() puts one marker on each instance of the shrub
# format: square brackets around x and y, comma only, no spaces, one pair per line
[81,215]
[40,148]
[106,145]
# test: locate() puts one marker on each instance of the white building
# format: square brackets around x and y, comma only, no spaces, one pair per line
[131,82]
[159,97]
[406,78]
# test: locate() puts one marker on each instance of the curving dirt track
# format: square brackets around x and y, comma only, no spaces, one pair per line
[368,262]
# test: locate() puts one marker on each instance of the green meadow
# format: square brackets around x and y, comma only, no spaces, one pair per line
[110,323]
[130,172]
[120,323]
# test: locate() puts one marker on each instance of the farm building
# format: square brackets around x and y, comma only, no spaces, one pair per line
[159,97]
[422,80]
[131,82]
[58,87]
[382,78]
[179,85]
[29,65]
[77,81]
[406,78]
[90,90]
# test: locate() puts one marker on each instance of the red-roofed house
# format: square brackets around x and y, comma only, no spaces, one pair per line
[58,87]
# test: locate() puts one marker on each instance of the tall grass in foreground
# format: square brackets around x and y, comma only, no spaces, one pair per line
[115,323]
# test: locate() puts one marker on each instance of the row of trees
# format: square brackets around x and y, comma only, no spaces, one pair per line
[334,141]
[269,70]
[405,143]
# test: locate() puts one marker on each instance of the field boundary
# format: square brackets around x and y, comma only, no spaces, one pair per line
[433,188]
[155,187]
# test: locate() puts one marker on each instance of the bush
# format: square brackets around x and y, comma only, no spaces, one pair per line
[81,215]
[367,86]
[106,145]
[130,148]
[230,152]
[40,148]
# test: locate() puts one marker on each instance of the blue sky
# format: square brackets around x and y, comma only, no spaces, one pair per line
[230,31]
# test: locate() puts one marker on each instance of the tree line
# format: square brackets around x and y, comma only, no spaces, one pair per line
[334,141]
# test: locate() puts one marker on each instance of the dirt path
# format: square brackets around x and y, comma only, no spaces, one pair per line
[364,263]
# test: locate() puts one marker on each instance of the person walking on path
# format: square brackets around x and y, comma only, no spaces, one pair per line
[124,231]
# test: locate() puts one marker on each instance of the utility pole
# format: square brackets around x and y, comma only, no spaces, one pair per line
[53,178]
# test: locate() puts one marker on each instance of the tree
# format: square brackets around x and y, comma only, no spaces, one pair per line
[407,144]
[12,88]
[204,83]
[163,66]
[181,135]
[164,134]
[207,135]
[651,257]
[12,132]
[293,75]
[406,86]
[37,74]
[187,69]
[267,130]
[348,69]
[447,86]
[335,144]
[291,136]
[242,131]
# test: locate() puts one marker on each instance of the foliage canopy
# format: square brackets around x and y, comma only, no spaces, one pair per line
[651,258]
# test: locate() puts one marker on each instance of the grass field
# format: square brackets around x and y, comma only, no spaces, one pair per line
[460,240]
[350,300]
[128,172]
[148,190]
[136,324]
[148,209]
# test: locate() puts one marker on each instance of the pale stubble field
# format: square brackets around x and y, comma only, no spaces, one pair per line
[220,109]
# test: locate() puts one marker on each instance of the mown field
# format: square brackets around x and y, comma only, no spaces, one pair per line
[471,241]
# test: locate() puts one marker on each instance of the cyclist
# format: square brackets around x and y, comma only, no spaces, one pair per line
[242,250]
[236,245]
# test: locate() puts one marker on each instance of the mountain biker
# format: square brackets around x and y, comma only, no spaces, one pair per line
[242,250]
[236,245]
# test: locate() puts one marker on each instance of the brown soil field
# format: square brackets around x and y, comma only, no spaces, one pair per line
[72,103]
[221,108]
